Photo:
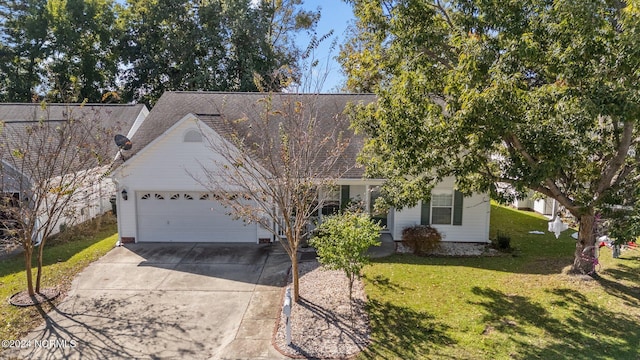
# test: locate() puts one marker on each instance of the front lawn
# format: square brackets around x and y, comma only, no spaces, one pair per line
[63,259]
[518,306]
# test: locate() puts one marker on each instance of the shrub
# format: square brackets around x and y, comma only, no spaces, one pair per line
[421,239]
[342,240]
[502,241]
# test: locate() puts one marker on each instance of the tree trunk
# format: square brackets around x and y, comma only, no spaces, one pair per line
[583,260]
[27,263]
[39,273]
[295,276]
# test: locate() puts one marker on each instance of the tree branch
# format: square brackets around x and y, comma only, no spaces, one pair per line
[613,167]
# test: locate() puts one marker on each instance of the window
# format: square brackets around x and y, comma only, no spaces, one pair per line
[331,203]
[187,197]
[193,136]
[441,208]
[204,197]
[159,197]
[145,196]
[444,208]
[380,216]
[175,197]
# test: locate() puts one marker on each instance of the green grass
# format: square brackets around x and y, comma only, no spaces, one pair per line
[63,260]
[516,306]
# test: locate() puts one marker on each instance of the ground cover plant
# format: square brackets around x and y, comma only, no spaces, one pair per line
[65,257]
[519,305]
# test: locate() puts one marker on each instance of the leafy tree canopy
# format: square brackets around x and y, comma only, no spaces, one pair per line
[536,94]
[72,50]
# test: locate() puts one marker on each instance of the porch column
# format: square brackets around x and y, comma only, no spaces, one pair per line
[367,199]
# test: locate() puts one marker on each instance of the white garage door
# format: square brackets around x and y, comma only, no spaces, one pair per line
[188,217]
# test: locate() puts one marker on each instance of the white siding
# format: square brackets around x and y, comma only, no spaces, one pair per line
[405,218]
[544,206]
[523,203]
[163,166]
[167,164]
[475,221]
[475,218]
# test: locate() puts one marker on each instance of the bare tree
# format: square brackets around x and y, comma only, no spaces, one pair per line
[275,162]
[51,166]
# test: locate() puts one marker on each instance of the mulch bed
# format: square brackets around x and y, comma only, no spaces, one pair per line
[23,298]
[325,323]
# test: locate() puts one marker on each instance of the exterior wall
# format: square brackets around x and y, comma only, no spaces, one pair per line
[167,164]
[88,202]
[544,206]
[475,218]
[523,204]
[404,218]
[475,221]
[170,164]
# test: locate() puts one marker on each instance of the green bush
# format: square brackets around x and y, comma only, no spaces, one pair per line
[342,240]
[502,241]
[421,239]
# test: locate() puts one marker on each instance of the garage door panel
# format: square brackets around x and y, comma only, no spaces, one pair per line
[188,217]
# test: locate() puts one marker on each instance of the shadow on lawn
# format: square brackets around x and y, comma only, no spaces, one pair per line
[403,333]
[68,334]
[588,332]
[622,275]
[385,284]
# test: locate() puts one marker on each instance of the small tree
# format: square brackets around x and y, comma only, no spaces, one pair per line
[275,158]
[342,241]
[50,166]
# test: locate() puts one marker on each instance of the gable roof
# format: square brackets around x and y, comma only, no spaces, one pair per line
[17,119]
[231,113]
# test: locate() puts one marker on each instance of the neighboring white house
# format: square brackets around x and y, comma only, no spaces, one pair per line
[159,200]
[92,199]
[538,203]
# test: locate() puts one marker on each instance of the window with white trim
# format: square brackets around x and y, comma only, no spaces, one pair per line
[441,208]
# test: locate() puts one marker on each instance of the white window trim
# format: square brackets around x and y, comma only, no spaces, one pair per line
[431,213]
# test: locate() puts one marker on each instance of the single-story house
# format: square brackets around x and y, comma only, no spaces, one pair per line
[160,200]
[17,121]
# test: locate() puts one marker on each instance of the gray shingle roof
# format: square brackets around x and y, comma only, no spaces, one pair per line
[220,110]
[117,115]
[18,118]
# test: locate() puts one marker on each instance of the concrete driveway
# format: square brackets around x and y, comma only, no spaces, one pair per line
[163,301]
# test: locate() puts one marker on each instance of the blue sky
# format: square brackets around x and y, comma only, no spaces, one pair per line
[336,15]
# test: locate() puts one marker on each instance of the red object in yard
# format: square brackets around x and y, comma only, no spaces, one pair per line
[632,244]
[602,244]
